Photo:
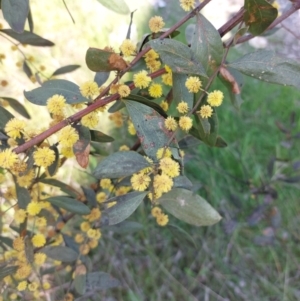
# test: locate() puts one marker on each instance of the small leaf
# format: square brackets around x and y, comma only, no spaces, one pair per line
[60,253]
[180,92]
[189,208]
[27,69]
[118,6]
[266,66]
[206,44]
[129,26]
[183,182]
[101,77]
[120,164]
[100,280]
[90,196]
[8,241]
[15,12]
[148,103]
[7,270]
[259,15]
[30,21]
[126,227]
[188,142]
[150,127]
[69,204]
[69,90]
[100,137]
[52,169]
[125,206]
[220,142]
[117,106]
[64,187]
[23,196]
[80,284]
[65,69]
[100,60]
[17,106]
[5,116]
[81,148]
[178,57]
[28,37]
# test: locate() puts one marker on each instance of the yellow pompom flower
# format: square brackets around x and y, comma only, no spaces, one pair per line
[155,211]
[8,158]
[20,216]
[68,136]
[128,48]
[205,111]
[93,243]
[185,123]
[187,4]
[155,90]
[141,79]
[105,183]
[171,123]
[79,238]
[23,271]
[56,104]
[26,179]
[90,120]
[163,152]
[14,127]
[41,221]
[215,98]
[94,215]
[18,244]
[164,105]
[124,148]
[44,157]
[182,107]
[151,55]
[84,249]
[40,258]
[89,88]
[85,226]
[101,197]
[169,167]
[124,90]
[167,79]
[162,219]
[34,208]
[131,129]
[91,233]
[33,286]
[162,183]
[156,23]
[38,240]
[46,285]
[153,65]
[140,181]
[22,286]
[193,84]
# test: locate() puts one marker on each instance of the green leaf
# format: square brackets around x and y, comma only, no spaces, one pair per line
[266,66]
[185,239]
[117,106]
[125,206]
[30,21]
[100,137]
[7,270]
[23,196]
[178,57]
[27,37]
[188,142]
[8,241]
[27,69]
[69,90]
[118,6]
[206,129]
[120,164]
[148,103]
[69,204]
[189,208]
[100,60]
[60,253]
[183,182]
[125,227]
[64,187]
[101,77]
[233,80]
[206,44]
[52,169]
[90,196]
[81,148]
[98,149]
[149,126]
[180,92]
[259,15]
[220,142]
[15,12]
[80,284]
[17,106]
[99,280]
[65,69]
[5,116]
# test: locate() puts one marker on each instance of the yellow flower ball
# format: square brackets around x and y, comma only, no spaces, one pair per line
[156,23]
